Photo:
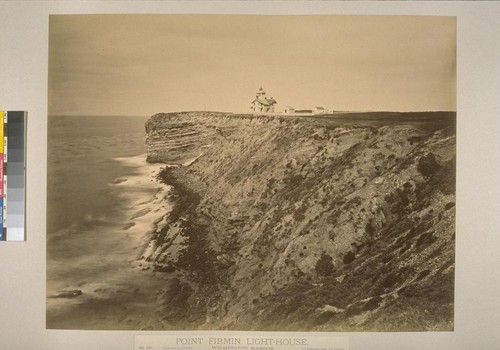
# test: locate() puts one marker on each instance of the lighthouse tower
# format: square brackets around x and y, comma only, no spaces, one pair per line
[261,93]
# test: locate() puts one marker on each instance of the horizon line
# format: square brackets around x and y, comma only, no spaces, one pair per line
[249,113]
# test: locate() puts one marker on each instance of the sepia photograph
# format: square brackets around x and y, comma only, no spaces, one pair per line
[251,172]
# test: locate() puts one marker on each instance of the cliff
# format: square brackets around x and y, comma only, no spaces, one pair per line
[340,223]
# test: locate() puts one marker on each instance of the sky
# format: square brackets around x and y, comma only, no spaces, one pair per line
[146,64]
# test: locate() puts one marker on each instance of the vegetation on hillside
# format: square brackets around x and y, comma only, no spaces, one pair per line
[316,225]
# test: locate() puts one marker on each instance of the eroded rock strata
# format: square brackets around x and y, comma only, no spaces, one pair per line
[321,224]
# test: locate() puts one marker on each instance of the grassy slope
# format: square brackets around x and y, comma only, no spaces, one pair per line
[327,227]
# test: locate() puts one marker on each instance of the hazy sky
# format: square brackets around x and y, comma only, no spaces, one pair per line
[145,64]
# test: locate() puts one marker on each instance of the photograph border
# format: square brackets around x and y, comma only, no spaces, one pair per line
[23,87]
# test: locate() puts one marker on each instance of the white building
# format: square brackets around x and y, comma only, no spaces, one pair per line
[314,111]
[319,110]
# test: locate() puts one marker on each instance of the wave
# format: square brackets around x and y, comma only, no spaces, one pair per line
[146,197]
[100,256]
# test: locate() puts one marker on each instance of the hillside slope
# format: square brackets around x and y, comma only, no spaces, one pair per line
[305,224]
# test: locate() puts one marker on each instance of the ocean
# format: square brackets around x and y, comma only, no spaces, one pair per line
[103,203]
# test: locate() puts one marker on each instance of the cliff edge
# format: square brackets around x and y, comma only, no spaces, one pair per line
[340,223]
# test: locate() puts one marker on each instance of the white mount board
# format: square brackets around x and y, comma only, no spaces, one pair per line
[23,86]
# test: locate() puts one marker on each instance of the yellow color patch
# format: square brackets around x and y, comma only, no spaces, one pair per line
[2,117]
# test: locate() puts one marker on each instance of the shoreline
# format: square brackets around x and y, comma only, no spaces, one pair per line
[122,294]
[198,273]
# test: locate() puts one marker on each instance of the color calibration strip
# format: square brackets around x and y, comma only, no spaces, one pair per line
[12,175]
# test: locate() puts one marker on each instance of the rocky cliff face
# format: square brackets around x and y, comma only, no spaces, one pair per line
[179,137]
[307,223]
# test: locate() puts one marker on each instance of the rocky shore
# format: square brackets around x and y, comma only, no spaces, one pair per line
[342,223]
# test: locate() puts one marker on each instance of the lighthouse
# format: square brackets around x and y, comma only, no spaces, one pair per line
[263,104]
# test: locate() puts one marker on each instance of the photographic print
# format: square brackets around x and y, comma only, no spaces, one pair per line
[250,172]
